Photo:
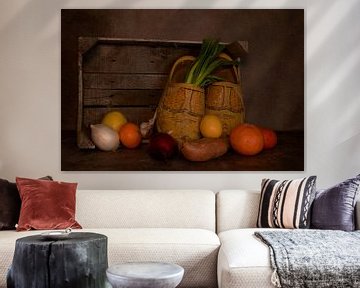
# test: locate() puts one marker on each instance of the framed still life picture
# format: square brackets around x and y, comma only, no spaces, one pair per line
[182,90]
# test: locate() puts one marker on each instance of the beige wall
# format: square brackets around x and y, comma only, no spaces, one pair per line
[30,95]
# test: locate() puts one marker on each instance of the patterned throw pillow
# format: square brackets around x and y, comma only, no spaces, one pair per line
[286,204]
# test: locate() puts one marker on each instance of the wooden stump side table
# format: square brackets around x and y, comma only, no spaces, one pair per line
[78,261]
[145,275]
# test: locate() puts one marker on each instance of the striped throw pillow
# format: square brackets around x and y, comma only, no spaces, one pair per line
[286,204]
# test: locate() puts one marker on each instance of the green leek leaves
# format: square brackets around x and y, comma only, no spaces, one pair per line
[206,63]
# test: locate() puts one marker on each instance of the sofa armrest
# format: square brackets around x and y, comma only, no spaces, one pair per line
[357,215]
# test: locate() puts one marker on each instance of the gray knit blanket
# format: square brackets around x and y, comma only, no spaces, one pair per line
[313,258]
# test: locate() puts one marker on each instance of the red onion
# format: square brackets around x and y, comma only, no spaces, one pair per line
[162,146]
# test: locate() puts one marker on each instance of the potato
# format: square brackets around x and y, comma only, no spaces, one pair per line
[204,149]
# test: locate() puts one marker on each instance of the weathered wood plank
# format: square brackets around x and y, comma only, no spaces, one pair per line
[124,81]
[85,43]
[132,58]
[238,49]
[133,114]
[139,97]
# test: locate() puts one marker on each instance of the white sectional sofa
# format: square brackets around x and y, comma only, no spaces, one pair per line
[175,226]
[209,234]
[243,260]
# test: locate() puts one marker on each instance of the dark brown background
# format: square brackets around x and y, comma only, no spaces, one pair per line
[273,80]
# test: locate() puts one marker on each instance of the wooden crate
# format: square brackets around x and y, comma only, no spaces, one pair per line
[127,75]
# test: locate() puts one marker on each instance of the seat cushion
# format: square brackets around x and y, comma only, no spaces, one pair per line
[244,261]
[196,250]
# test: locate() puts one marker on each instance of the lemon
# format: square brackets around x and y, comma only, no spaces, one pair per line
[211,126]
[114,120]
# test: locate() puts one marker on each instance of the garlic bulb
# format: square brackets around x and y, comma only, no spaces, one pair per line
[104,137]
[146,128]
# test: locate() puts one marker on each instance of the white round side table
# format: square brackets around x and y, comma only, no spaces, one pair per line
[145,275]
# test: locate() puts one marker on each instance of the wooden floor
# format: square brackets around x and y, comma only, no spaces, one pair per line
[288,155]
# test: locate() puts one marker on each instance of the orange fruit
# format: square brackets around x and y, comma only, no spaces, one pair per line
[210,126]
[114,120]
[270,138]
[129,135]
[246,139]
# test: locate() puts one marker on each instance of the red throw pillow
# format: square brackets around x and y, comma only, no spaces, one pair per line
[10,204]
[46,204]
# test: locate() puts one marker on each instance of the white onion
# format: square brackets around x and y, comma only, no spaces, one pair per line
[104,137]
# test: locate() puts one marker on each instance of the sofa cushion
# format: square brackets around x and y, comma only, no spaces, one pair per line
[194,249]
[153,209]
[286,204]
[236,209]
[244,260]
[334,208]
[46,204]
